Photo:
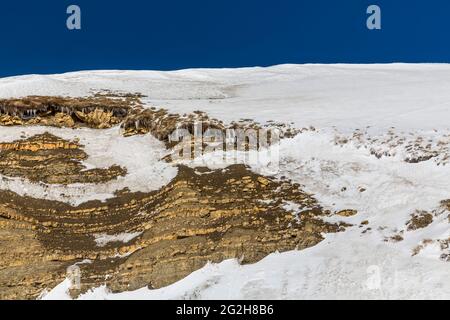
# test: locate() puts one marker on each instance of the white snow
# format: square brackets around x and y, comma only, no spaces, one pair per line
[102,239]
[336,100]
[140,155]
[348,265]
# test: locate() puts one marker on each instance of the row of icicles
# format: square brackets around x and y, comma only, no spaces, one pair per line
[25,114]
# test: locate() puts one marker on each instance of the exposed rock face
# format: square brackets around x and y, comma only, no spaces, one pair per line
[442,244]
[413,148]
[24,273]
[95,112]
[152,239]
[446,204]
[346,213]
[49,159]
[98,118]
[423,219]
[200,216]
[419,220]
[161,124]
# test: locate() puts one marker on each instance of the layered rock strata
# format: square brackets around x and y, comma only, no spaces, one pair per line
[95,112]
[49,159]
[137,239]
[200,216]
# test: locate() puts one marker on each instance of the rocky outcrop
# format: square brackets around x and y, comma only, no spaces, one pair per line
[49,159]
[147,239]
[423,219]
[419,220]
[95,112]
[105,110]
[162,124]
[201,216]
[347,213]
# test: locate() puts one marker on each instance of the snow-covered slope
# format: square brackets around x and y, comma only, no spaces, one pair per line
[373,122]
[401,95]
[356,264]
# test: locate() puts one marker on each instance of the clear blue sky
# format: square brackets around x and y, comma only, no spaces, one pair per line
[169,34]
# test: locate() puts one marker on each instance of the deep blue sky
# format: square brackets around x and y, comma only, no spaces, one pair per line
[174,34]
